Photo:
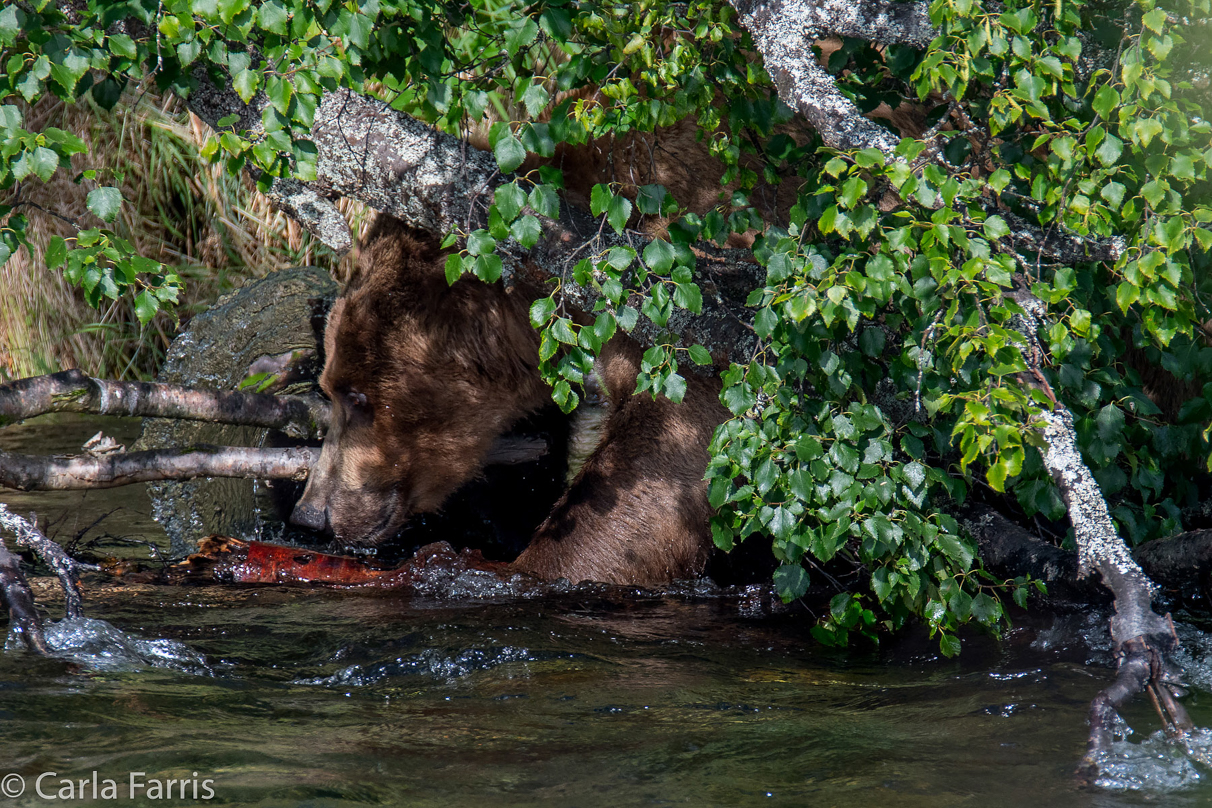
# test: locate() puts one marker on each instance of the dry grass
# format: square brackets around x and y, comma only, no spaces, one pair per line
[215,228]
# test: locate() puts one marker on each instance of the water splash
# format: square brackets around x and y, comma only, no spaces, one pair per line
[1158,764]
[101,646]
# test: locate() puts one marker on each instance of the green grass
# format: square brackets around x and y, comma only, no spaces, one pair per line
[180,210]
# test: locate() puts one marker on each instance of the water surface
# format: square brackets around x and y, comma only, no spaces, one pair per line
[590,698]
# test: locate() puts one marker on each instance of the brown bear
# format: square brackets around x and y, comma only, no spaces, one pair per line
[425,376]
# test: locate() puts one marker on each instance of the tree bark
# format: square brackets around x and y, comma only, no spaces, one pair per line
[74,391]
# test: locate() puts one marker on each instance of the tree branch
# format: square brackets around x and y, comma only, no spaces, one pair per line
[301,417]
[784,32]
[42,473]
[1142,638]
[15,594]
[39,473]
[298,200]
[52,554]
[884,22]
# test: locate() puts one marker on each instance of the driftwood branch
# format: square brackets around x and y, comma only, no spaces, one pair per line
[17,598]
[43,473]
[74,391]
[51,553]
[40,473]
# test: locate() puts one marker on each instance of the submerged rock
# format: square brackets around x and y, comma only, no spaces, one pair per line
[256,329]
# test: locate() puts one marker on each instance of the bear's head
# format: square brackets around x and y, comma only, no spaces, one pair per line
[423,377]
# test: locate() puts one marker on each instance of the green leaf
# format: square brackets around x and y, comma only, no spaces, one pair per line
[658,256]
[620,257]
[526,231]
[650,199]
[545,201]
[1125,295]
[562,330]
[541,311]
[454,268]
[104,203]
[521,34]
[1109,150]
[535,99]
[509,153]
[1113,192]
[146,306]
[985,609]
[700,355]
[1105,101]
[272,17]
[675,388]
[688,296]
[123,45]
[599,199]
[488,268]
[10,23]
[955,549]
[996,227]
[245,83]
[56,252]
[44,162]
[480,242]
[1155,20]
[791,582]
[509,199]
[618,212]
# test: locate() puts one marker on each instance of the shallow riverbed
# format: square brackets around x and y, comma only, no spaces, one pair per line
[589,698]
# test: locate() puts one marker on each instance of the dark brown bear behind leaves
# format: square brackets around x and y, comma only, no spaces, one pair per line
[425,376]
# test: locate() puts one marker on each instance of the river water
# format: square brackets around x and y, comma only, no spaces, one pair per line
[594,697]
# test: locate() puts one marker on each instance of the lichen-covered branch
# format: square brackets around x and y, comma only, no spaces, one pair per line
[784,32]
[881,21]
[1143,639]
[298,200]
[1056,244]
[40,473]
[75,391]
[397,165]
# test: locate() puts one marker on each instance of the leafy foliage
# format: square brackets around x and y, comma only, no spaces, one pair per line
[891,367]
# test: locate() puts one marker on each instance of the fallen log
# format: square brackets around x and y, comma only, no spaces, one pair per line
[302,417]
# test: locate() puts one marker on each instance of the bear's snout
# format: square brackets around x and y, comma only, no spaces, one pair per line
[305,515]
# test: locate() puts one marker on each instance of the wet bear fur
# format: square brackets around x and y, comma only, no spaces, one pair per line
[424,376]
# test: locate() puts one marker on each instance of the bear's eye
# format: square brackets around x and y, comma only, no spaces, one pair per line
[355,400]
